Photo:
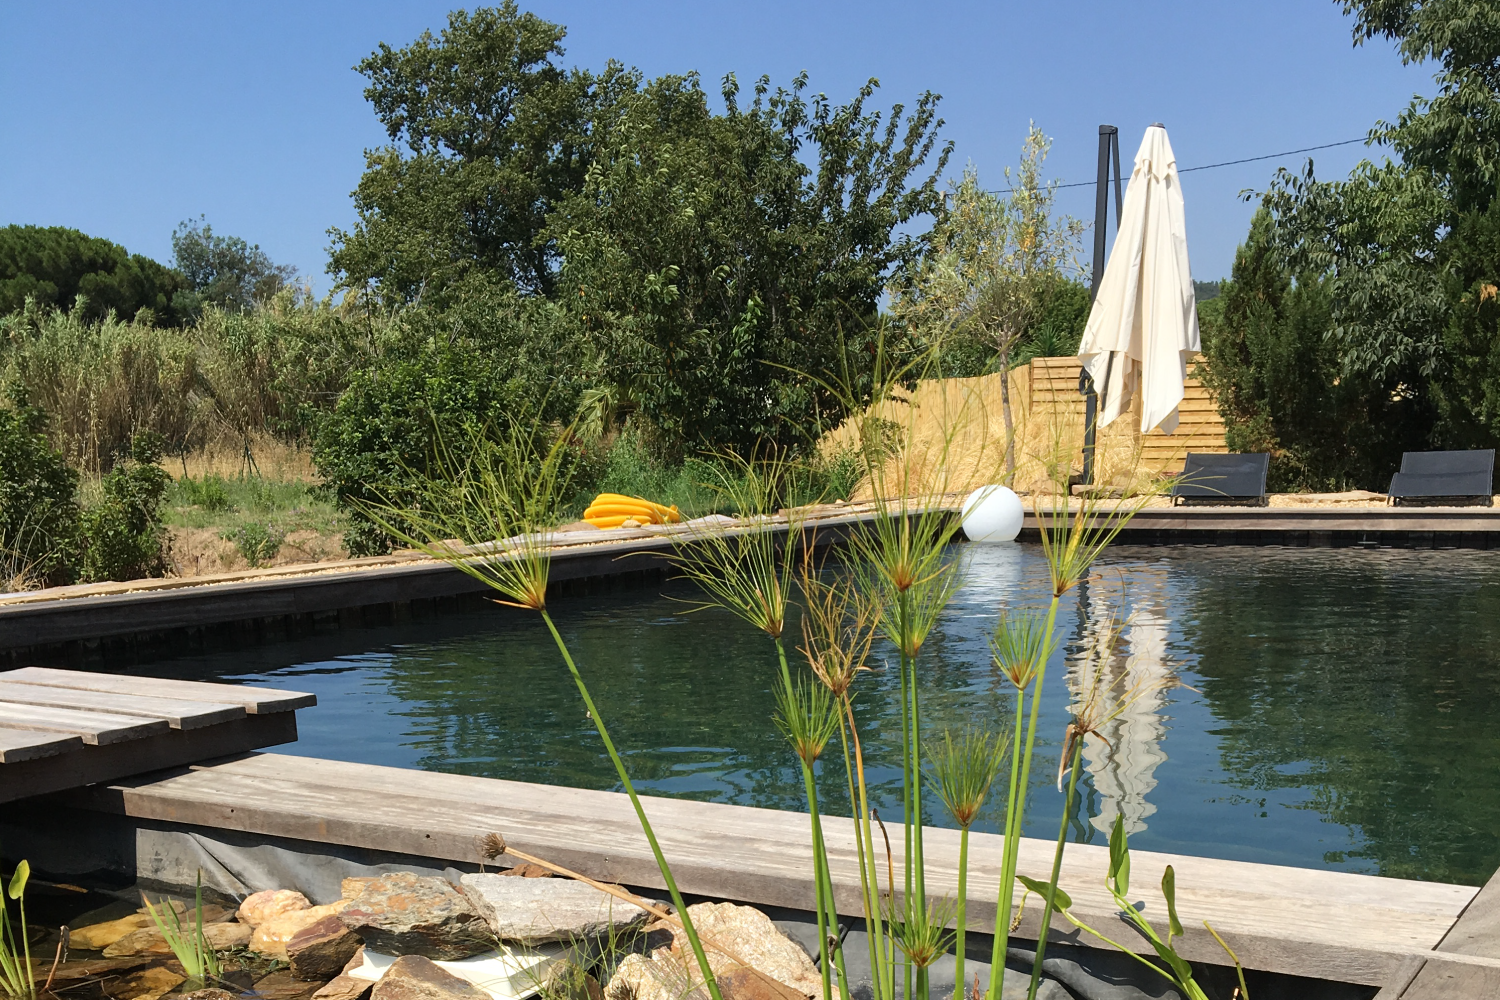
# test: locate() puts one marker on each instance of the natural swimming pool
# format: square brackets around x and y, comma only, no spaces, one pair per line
[1340,714]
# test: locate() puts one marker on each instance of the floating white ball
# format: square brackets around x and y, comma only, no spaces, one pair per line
[993,514]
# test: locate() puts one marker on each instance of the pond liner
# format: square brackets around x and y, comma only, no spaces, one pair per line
[66,843]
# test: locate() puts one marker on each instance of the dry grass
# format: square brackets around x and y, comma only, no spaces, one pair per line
[269,457]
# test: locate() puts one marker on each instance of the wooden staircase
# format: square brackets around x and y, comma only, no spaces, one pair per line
[1054,396]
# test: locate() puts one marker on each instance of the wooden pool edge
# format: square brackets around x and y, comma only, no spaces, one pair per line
[1307,922]
[314,593]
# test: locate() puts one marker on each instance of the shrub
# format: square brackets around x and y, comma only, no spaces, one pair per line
[123,532]
[211,493]
[257,541]
[384,434]
[38,514]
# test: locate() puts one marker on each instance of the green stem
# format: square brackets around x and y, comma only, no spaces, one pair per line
[959,922]
[1057,858]
[903,618]
[819,862]
[640,812]
[870,903]
[1015,818]
[884,973]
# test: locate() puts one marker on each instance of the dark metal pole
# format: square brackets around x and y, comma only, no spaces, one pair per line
[1109,143]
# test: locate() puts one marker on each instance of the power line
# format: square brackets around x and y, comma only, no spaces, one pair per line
[1226,163]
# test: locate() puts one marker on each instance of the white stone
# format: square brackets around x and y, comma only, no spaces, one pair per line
[537,910]
[505,975]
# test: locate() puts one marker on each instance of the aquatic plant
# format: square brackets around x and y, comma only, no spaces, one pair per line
[189,945]
[488,514]
[1177,970]
[16,979]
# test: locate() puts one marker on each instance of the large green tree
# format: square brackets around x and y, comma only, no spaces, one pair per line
[54,265]
[729,266]
[225,271]
[488,132]
[1407,249]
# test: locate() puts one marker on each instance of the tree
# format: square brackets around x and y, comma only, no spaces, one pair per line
[224,271]
[994,267]
[725,264]
[494,132]
[1406,248]
[54,265]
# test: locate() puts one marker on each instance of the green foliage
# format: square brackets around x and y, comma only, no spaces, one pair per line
[17,978]
[720,260]
[38,512]
[1282,384]
[189,945]
[257,541]
[225,271]
[122,532]
[384,433]
[54,265]
[1403,249]
[210,493]
[495,133]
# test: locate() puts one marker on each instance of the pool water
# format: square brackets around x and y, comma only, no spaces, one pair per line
[1340,707]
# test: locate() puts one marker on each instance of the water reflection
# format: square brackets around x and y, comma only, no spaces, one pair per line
[1341,710]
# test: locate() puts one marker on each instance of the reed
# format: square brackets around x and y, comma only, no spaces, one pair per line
[487,513]
[189,945]
[962,772]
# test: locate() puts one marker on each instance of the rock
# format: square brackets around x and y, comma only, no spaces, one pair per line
[320,951]
[146,984]
[151,941]
[271,937]
[670,973]
[406,914]
[343,988]
[528,870]
[413,977]
[261,906]
[96,937]
[89,968]
[280,985]
[351,887]
[744,984]
[212,993]
[536,911]
[571,981]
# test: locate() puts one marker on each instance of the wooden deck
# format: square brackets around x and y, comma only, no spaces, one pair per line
[63,729]
[1330,925]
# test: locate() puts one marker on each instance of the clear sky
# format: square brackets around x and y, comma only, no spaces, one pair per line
[124,119]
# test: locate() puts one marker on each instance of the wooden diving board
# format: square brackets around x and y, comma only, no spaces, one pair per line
[62,729]
[1331,925]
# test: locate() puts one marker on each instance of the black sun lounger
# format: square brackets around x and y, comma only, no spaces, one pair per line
[1451,477]
[1213,479]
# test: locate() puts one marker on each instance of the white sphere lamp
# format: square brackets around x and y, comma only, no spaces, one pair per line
[992,514]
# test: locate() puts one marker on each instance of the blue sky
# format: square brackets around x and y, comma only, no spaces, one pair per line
[124,119]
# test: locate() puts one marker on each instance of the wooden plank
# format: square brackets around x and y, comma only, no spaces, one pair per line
[1336,925]
[179,714]
[1446,979]
[95,728]
[1477,931]
[22,744]
[254,700]
[171,748]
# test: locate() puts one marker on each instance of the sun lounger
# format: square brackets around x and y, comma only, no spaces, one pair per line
[1222,479]
[1447,477]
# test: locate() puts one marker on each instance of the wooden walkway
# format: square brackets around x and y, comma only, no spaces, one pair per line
[63,729]
[1330,925]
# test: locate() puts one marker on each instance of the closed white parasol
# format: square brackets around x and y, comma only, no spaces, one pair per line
[1144,323]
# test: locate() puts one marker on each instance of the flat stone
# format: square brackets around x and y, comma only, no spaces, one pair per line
[258,907]
[343,988]
[528,870]
[413,977]
[406,914]
[671,973]
[212,993]
[88,968]
[535,911]
[351,887]
[145,984]
[97,937]
[320,951]
[271,937]
[151,941]
[280,985]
